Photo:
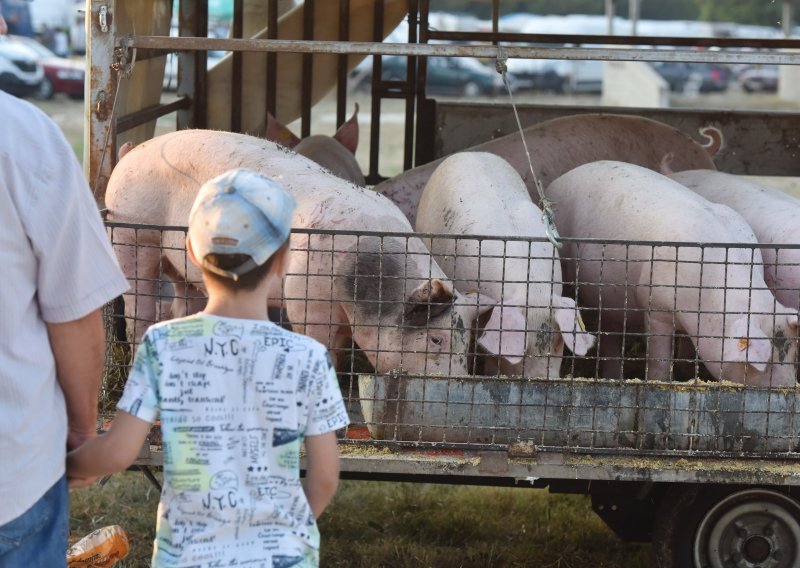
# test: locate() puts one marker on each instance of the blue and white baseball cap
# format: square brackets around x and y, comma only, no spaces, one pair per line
[240,212]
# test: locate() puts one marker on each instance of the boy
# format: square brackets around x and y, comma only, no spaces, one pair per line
[236,395]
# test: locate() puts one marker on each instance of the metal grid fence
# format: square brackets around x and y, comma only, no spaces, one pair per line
[685,348]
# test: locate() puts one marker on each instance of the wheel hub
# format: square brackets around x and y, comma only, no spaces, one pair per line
[757,549]
[754,528]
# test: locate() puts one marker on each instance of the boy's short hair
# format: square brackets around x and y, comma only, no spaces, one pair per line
[247,281]
[238,221]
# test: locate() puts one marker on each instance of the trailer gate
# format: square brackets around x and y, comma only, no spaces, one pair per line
[679,427]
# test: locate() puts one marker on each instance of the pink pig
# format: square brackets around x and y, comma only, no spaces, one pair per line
[393,299]
[477,193]
[716,295]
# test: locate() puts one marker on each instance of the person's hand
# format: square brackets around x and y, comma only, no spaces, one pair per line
[78,482]
[77,437]
[3,26]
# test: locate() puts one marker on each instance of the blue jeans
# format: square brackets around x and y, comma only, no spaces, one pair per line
[38,537]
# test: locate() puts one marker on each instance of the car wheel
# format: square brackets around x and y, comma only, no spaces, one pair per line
[45,90]
[718,526]
[471,89]
[749,87]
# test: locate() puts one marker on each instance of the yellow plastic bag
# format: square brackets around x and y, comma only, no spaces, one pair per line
[101,549]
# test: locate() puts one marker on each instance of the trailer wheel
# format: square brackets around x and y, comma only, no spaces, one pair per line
[730,527]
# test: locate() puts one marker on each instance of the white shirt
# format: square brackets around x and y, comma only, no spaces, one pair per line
[236,397]
[56,265]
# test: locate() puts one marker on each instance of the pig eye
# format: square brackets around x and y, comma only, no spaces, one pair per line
[436,340]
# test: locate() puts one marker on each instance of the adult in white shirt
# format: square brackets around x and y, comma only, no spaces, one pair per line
[58,269]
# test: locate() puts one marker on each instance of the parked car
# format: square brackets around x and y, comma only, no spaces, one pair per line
[20,72]
[456,76]
[704,77]
[538,74]
[61,75]
[573,76]
[759,78]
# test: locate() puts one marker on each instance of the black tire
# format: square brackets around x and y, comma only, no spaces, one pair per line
[713,526]
[45,91]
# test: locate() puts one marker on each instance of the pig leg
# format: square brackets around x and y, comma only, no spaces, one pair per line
[660,334]
[188,300]
[187,297]
[140,262]
[609,347]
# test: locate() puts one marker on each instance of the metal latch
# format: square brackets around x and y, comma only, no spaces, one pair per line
[101,108]
[103,17]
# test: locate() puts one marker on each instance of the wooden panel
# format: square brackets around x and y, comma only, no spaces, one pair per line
[755,143]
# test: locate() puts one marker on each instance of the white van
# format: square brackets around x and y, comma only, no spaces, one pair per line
[20,72]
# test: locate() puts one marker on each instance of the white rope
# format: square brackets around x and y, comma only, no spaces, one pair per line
[547,205]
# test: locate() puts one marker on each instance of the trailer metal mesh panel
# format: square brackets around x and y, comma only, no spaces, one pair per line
[414,373]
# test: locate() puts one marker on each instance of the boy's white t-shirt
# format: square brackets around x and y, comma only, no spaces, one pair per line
[236,398]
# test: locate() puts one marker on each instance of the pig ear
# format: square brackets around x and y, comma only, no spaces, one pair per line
[429,299]
[504,334]
[482,302]
[569,322]
[347,135]
[748,344]
[277,132]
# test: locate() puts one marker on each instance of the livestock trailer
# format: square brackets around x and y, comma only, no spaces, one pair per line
[707,470]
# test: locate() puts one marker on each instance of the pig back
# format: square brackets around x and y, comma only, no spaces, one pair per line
[157,182]
[561,144]
[612,200]
[478,193]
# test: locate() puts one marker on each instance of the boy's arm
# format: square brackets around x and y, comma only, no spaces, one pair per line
[110,452]
[322,471]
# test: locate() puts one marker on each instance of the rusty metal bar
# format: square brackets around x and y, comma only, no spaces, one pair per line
[373,176]
[480,51]
[272,59]
[237,29]
[341,84]
[423,144]
[193,73]
[151,113]
[98,159]
[308,70]
[410,95]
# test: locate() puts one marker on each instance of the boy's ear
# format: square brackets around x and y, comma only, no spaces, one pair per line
[281,266]
[190,252]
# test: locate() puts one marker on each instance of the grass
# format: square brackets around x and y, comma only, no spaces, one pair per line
[402,525]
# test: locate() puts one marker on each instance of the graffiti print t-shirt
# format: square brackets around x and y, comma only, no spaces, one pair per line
[236,398]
